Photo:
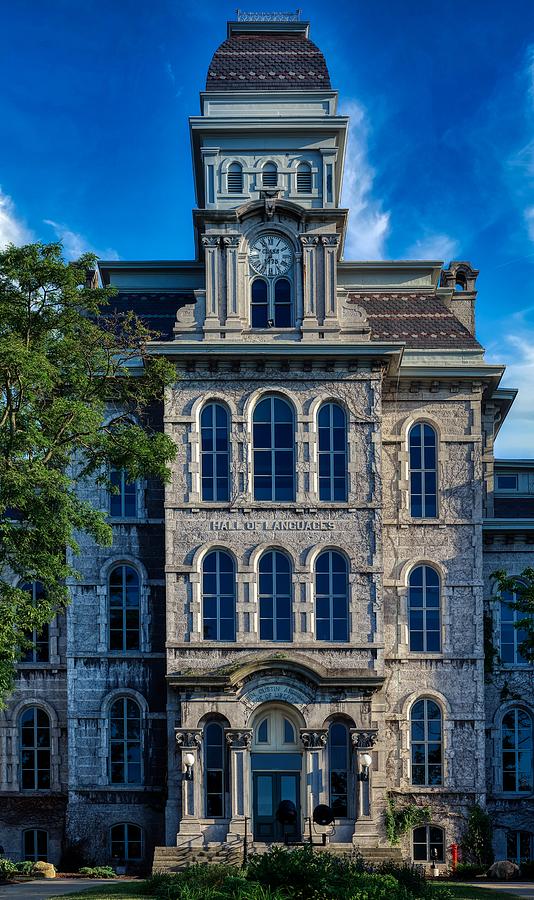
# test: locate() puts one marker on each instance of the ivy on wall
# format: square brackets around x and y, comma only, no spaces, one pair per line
[400,819]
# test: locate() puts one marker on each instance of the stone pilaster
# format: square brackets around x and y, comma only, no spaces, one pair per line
[366,830]
[239,742]
[309,243]
[330,244]
[231,245]
[314,742]
[189,740]
[212,249]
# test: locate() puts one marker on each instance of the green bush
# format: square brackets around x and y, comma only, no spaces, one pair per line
[468,871]
[25,867]
[7,869]
[98,871]
[410,876]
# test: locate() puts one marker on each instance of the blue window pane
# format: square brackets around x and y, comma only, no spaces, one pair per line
[219,598]
[215,452]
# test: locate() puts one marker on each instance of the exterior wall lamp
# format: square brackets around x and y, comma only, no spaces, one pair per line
[366,761]
[189,762]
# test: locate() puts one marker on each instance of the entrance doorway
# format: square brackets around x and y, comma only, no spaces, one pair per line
[269,790]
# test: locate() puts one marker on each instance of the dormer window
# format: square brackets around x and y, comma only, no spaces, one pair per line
[304,179]
[269,175]
[235,178]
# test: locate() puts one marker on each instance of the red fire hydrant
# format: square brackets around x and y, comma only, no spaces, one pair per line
[455,854]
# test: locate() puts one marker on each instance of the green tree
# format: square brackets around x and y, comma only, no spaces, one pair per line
[77,385]
[477,839]
[522,586]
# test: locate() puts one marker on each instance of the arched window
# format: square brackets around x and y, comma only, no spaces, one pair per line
[235,178]
[125,742]
[331,597]
[275,597]
[511,637]
[215,452]
[304,178]
[126,842]
[218,597]
[424,610]
[338,747]
[282,304]
[35,844]
[123,503]
[124,610]
[260,304]
[426,743]
[428,844]
[35,750]
[39,651]
[269,175]
[273,440]
[516,735]
[423,471]
[332,428]
[275,731]
[214,762]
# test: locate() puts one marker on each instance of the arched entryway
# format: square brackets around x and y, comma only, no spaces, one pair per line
[276,770]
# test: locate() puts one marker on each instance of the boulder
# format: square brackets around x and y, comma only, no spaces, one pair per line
[44,870]
[503,870]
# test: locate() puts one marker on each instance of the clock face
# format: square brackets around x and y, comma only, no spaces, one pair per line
[271,255]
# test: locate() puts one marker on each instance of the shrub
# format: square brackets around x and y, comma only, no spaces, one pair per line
[7,869]
[477,839]
[410,876]
[98,871]
[527,870]
[25,867]
[468,871]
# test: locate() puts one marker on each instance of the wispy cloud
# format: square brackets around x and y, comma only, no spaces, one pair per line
[434,246]
[368,221]
[12,228]
[75,244]
[517,435]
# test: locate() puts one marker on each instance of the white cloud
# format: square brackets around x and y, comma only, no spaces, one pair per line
[434,246]
[529,220]
[74,244]
[12,228]
[368,221]
[516,438]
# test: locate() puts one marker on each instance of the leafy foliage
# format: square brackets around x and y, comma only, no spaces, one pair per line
[523,587]
[66,360]
[98,871]
[7,869]
[468,871]
[400,819]
[476,842]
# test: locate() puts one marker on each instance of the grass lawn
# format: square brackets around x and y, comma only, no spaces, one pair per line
[468,892]
[109,892]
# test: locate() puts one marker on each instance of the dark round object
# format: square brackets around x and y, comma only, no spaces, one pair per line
[286,813]
[323,815]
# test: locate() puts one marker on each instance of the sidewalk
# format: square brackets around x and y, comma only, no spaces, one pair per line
[521,888]
[42,889]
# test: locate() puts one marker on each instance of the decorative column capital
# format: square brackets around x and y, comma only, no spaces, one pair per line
[239,739]
[363,740]
[330,240]
[188,738]
[231,241]
[314,739]
[308,240]
[211,241]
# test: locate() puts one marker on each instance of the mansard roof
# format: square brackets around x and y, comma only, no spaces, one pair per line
[421,321]
[268,60]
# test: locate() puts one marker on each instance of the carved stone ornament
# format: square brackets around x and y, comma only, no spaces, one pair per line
[330,240]
[314,740]
[210,241]
[239,739]
[188,739]
[231,241]
[363,740]
[185,315]
[308,240]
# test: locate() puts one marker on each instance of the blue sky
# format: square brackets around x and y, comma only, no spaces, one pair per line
[95,146]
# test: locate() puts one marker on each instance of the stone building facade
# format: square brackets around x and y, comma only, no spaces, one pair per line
[300,614]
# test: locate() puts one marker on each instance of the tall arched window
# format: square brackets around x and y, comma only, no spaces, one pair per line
[424,610]
[428,844]
[35,750]
[282,304]
[331,597]
[511,637]
[426,743]
[214,763]
[218,596]
[126,842]
[423,471]
[215,452]
[235,178]
[275,597]
[124,609]
[125,742]
[304,178]
[273,440]
[332,428]
[339,753]
[260,304]
[35,844]
[122,503]
[269,175]
[39,651]
[516,736]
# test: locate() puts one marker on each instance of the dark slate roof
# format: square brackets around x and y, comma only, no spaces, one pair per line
[268,61]
[514,507]
[157,309]
[419,320]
